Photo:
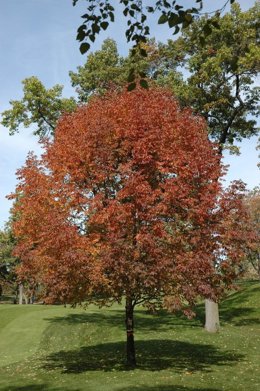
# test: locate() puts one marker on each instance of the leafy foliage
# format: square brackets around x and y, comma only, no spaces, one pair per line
[222,73]
[80,347]
[121,204]
[7,261]
[223,91]
[102,69]
[252,201]
[39,106]
[101,13]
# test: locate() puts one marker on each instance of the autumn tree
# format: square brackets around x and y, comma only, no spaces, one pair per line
[252,202]
[125,204]
[221,82]
[221,85]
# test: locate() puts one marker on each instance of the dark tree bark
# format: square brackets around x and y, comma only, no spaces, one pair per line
[130,344]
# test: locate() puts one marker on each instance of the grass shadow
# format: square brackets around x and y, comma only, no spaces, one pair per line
[163,387]
[152,355]
[35,387]
[234,307]
[144,321]
[242,295]
[247,322]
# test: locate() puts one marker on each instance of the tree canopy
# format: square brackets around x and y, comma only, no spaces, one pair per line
[126,203]
[222,73]
[7,261]
[216,77]
[252,202]
[99,14]
[39,106]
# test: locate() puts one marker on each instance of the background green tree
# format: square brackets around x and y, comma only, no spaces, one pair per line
[220,82]
[7,261]
[216,76]
[39,107]
[221,73]
[102,69]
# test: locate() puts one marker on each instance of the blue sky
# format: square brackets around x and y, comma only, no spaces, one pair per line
[37,38]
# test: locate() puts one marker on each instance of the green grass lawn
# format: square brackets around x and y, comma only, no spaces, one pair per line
[54,348]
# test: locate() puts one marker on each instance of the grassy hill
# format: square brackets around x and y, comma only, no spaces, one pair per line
[54,348]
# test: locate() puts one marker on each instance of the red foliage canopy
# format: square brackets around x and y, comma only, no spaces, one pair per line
[126,202]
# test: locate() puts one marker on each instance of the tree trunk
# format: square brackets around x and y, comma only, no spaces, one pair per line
[20,293]
[130,344]
[25,299]
[212,316]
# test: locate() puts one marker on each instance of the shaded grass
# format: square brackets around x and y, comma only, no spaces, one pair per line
[53,348]
[42,387]
[152,355]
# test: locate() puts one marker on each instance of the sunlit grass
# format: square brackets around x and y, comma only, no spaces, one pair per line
[54,348]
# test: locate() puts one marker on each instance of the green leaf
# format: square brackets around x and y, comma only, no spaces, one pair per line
[143,18]
[177,29]
[144,84]
[131,87]
[234,64]
[81,35]
[232,1]
[96,28]
[202,41]
[112,16]
[104,25]
[142,74]
[188,17]
[84,47]
[216,24]
[131,76]
[173,20]
[207,29]
[185,24]
[92,37]
[163,19]
[135,7]
[143,52]
[125,12]
[81,32]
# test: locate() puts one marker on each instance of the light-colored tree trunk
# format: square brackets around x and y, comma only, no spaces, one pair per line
[20,293]
[25,299]
[211,316]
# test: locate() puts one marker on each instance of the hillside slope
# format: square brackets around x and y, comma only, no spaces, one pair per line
[54,348]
